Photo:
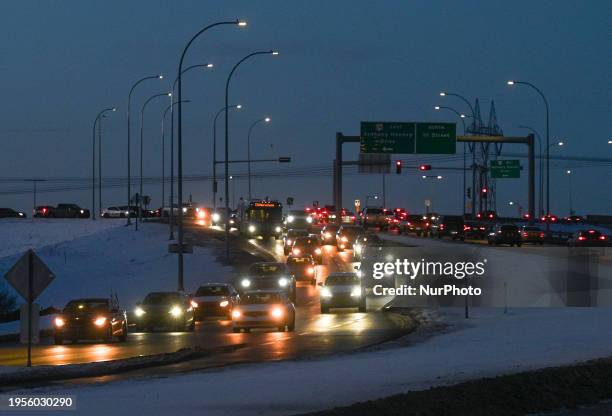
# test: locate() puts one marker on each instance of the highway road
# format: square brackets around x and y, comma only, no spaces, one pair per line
[315,334]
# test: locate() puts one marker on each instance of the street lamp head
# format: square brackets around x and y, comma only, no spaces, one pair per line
[160,76]
[239,106]
[209,65]
[609,141]
[510,82]
[442,94]
[274,52]
[375,196]
[169,94]
[439,177]
[114,109]
[437,107]
[241,23]
[462,115]
[568,172]
[267,119]
[561,144]
[424,177]
[511,203]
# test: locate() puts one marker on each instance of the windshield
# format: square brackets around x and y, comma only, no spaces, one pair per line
[306,242]
[266,269]
[268,214]
[261,298]
[212,291]
[161,298]
[349,279]
[85,305]
[509,228]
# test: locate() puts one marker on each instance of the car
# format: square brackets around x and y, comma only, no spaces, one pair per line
[290,237]
[11,213]
[474,230]
[264,309]
[269,275]
[588,238]
[114,212]
[363,243]
[346,236]
[573,219]
[218,216]
[447,226]
[90,319]
[308,246]
[532,234]
[165,310]
[347,217]
[373,217]
[505,234]
[487,215]
[61,211]
[303,268]
[417,224]
[213,300]
[297,219]
[132,209]
[550,218]
[342,290]
[328,234]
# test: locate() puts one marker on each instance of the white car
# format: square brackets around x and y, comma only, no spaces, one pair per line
[114,212]
[264,309]
[342,290]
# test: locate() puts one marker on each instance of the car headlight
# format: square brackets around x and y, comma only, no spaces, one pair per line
[82,212]
[277,312]
[59,322]
[326,293]
[311,270]
[277,229]
[201,214]
[216,217]
[283,282]
[357,248]
[236,314]
[245,283]
[356,291]
[184,209]
[232,222]
[296,251]
[317,251]
[224,303]
[309,220]
[176,311]
[328,235]
[139,312]
[344,239]
[251,228]
[100,321]
[288,242]
[290,218]
[194,304]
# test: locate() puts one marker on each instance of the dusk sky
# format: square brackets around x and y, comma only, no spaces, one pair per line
[340,62]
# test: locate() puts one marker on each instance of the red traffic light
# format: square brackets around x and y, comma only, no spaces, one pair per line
[398,166]
[424,167]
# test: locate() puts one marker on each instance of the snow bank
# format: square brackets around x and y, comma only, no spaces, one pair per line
[490,343]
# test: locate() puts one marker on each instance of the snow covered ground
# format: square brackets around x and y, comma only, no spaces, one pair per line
[95,258]
[488,344]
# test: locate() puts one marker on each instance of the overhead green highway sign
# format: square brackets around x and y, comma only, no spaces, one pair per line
[408,138]
[502,169]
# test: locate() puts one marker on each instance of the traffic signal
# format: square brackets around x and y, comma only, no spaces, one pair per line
[398,167]
[424,167]
[484,192]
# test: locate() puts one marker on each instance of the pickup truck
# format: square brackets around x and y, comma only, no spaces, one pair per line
[61,211]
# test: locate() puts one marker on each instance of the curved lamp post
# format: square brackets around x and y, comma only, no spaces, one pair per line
[166,94]
[237,107]
[93,163]
[238,23]
[129,146]
[261,120]
[227,84]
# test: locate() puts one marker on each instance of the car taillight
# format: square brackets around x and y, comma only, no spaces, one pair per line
[44,210]
[581,238]
[591,231]
[541,235]
[525,235]
[441,226]
[310,270]
[602,237]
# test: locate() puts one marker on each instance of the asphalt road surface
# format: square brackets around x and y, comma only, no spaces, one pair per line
[315,334]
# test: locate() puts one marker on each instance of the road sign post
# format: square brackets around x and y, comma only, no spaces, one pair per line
[29,276]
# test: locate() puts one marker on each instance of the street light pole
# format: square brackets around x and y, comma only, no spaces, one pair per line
[180,144]
[93,162]
[541,186]
[462,118]
[227,84]
[129,145]
[167,94]
[569,179]
[267,120]
[214,152]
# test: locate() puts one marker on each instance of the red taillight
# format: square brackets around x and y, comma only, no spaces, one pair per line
[44,210]
[581,238]
[441,226]
[602,237]
[466,227]
[541,235]
[591,231]
[525,235]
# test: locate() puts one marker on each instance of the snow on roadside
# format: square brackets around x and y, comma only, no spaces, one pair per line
[115,259]
[490,343]
[19,235]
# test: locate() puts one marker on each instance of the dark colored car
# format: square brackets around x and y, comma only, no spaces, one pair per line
[290,237]
[374,217]
[61,211]
[342,290]
[346,236]
[573,219]
[11,213]
[505,234]
[474,230]
[328,234]
[532,234]
[264,309]
[364,243]
[214,299]
[270,276]
[165,310]
[303,268]
[448,226]
[588,238]
[311,245]
[90,319]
